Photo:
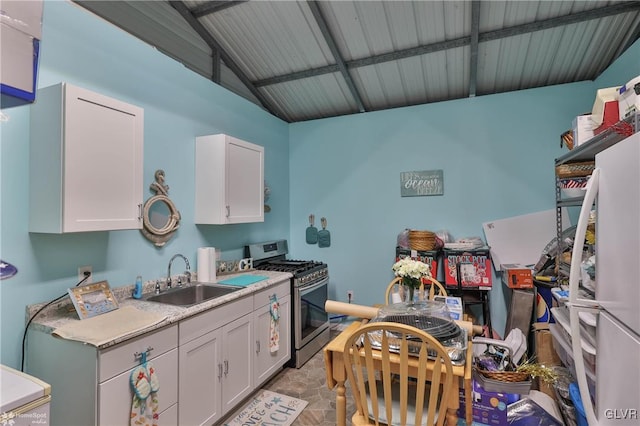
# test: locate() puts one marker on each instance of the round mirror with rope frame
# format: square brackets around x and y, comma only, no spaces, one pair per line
[160,217]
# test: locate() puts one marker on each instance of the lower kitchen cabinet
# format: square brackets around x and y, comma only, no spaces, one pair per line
[92,386]
[268,361]
[215,367]
[200,374]
[113,400]
[207,365]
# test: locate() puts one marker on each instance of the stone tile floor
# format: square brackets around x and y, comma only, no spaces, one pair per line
[310,384]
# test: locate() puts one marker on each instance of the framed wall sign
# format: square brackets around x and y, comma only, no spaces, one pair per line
[421,183]
[93,299]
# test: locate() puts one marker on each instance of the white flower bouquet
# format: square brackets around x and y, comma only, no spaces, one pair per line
[411,271]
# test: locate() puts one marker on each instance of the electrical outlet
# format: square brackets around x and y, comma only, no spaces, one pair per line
[81,276]
[350,295]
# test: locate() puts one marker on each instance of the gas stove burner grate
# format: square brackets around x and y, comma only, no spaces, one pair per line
[295,267]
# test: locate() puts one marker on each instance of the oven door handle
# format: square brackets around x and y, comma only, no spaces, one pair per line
[305,289]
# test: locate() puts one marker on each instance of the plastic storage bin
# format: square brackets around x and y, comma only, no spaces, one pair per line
[577,403]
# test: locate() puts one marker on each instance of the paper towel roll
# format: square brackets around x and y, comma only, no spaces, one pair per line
[207,264]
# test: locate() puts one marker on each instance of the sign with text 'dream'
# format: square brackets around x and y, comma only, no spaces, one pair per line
[421,183]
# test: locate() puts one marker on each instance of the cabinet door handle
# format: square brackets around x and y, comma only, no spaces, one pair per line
[139,212]
[137,355]
[226,367]
[257,346]
[219,371]
[228,211]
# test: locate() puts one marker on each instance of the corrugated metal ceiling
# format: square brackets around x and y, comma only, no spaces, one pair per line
[303,60]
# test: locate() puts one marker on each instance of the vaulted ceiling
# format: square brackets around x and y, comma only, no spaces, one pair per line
[303,60]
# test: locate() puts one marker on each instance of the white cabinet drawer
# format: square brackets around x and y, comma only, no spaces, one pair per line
[115,395]
[262,297]
[115,360]
[169,417]
[207,321]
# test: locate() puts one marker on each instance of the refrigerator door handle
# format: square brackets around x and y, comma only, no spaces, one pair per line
[574,280]
[578,363]
[581,230]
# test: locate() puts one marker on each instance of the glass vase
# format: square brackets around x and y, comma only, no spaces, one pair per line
[411,288]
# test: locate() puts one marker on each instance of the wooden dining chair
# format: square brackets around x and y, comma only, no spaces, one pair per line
[379,365]
[435,289]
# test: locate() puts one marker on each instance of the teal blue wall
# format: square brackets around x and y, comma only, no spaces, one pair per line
[178,104]
[496,152]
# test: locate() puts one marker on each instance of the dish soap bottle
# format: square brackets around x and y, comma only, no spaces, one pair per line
[137,291]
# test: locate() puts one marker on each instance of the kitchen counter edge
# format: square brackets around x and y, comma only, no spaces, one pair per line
[58,315]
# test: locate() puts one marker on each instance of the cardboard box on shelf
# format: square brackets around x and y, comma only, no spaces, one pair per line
[430,257]
[545,352]
[515,275]
[475,268]
[582,129]
[628,98]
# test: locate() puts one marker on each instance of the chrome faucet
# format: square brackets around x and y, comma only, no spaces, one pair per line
[187,272]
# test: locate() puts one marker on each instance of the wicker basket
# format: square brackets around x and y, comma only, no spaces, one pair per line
[575,169]
[505,376]
[422,240]
[567,139]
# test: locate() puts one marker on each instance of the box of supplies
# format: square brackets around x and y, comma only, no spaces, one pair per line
[582,129]
[489,408]
[516,275]
[430,257]
[454,305]
[628,98]
[474,265]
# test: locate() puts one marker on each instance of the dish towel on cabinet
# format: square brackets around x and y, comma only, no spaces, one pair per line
[145,385]
[274,329]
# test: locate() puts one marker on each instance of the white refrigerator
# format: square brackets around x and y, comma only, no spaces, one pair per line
[615,188]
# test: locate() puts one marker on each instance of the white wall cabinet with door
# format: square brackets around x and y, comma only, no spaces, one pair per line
[269,361]
[229,186]
[20,35]
[92,386]
[86,162]
[216,362]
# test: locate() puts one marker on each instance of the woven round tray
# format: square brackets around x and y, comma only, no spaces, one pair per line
[505,376]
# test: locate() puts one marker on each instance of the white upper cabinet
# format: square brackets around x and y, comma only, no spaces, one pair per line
[229,180]
[86,162]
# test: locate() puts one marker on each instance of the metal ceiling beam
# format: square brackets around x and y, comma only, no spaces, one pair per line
[460,42]
[216,65]
[475,30]
[216,47]
[635,35]
[210,7]
[337,56]
[371,60]
[560,21]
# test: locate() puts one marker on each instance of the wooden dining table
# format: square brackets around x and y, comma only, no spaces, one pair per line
[337,376]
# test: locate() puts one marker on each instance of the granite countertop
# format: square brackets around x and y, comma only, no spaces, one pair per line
[63,312]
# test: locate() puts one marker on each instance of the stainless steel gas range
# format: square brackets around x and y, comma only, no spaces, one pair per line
[309,291]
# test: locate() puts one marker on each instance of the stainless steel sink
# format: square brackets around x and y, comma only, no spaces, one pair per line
[191,295]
